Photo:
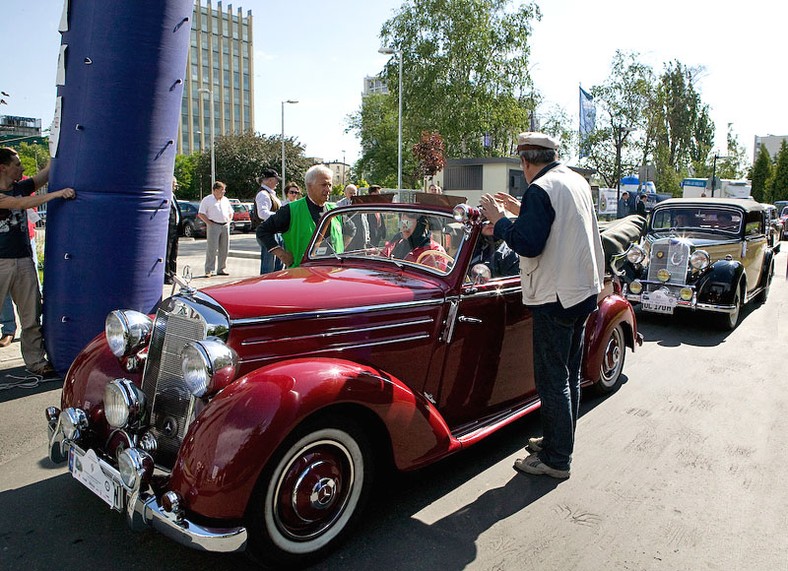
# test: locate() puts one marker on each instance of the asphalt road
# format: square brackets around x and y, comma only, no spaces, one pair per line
[681,469]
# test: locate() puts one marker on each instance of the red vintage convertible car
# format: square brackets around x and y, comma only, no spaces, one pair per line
[255,415]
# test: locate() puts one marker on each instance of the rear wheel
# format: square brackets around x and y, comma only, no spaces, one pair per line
[612,362]
[311,494]
[188,230]
[767,282]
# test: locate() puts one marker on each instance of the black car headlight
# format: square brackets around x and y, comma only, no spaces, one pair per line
[127,331]
[208,366]
[636,254]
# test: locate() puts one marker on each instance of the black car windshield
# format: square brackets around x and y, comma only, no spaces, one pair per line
[697,219]
[419,238]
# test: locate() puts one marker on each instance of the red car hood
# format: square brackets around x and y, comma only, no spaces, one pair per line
[320,288]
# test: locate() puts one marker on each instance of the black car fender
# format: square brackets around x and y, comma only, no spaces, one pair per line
[718,285]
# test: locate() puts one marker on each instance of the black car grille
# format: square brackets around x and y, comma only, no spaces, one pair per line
[162,382]
[672,255]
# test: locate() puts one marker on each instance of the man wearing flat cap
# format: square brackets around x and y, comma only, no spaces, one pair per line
[561,268]
[265,204]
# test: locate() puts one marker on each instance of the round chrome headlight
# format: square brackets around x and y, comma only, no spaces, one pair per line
[663,275]
[135,467]
[700,259]
[73,421]
[464,213]
[636,287]
[124,403]
[635,254]
[208,366]
[127,331]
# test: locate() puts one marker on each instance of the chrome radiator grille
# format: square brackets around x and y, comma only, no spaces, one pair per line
[171,402]
[671,255]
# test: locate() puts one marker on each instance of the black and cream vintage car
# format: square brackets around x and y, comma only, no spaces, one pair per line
[706,254]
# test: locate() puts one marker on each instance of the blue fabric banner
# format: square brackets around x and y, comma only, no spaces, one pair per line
[587,120]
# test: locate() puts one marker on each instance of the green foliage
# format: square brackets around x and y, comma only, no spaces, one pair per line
[465,74]
[186,173]
[761,174]
[33,156]
[241,158]
[735,165]
[778,189]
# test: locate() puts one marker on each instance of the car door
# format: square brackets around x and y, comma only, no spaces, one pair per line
[489,361]
[754,247]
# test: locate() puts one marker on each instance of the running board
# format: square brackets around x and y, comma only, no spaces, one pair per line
[470,433]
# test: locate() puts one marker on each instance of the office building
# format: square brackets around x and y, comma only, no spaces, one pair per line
[219,66]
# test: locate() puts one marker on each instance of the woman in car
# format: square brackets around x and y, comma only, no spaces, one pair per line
[413,240]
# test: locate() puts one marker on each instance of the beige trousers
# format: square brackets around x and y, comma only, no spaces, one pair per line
[18,277]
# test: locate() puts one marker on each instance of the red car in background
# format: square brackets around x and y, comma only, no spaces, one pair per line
[241,219]
[256,415]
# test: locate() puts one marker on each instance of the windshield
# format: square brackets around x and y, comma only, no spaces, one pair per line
[423,239]
[699,219]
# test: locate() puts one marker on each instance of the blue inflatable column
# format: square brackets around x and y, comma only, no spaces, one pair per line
[120,84]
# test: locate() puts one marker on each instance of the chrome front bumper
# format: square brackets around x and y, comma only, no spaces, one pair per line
[631,297]
[143,509]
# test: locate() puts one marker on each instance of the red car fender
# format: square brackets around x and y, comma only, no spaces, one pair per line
[230,442]
[93,368]
[613,310]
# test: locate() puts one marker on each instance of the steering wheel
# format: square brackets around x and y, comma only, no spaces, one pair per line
[436,254]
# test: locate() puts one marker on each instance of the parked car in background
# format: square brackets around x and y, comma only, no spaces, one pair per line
[776,226]
[241,219]
[191,226]
[784,220]
[704,254]
[256,414]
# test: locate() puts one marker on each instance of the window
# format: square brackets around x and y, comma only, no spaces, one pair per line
[464,177]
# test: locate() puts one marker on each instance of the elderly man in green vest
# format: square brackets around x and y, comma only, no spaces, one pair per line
[297,220]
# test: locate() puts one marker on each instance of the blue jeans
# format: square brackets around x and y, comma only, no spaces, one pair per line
[7,319]
[268,262]
[558,350]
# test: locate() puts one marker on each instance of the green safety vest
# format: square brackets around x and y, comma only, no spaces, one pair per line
[302,226]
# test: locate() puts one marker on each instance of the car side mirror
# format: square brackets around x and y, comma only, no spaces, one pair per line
[480,274]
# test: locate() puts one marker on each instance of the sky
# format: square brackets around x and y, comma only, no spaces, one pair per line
[318,53]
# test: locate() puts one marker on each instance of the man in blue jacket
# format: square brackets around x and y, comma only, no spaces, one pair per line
[562,271]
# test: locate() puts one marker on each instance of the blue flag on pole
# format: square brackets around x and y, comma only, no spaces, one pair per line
[587,120]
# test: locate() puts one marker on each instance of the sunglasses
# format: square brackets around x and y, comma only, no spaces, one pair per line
[296,192]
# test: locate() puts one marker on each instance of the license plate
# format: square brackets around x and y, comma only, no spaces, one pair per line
[657,302]
[86,468]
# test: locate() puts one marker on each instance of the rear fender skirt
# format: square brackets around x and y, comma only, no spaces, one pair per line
[613,310]
[227,446]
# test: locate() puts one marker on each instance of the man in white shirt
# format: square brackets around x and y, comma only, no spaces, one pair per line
[360,239]
[265,204]
[217,213]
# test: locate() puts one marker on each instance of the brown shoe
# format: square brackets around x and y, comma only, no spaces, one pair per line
[47,372]
[6,340]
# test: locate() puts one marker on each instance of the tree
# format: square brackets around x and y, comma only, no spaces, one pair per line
[33,156]
[779,184]
[429,153]
[241,158]
[761,174]
[735,166]
[465,75]
[622,127]
[187,175]
[376,124]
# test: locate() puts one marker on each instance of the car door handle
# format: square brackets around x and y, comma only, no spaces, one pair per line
[464,319]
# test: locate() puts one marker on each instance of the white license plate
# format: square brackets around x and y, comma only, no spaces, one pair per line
[658,303]
[87,469]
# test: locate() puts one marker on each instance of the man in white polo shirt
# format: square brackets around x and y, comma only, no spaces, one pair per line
[217,213]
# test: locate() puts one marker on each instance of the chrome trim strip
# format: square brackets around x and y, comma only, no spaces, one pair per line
[342,348]
[333,312]
[497,292]
[341,331]
[716,308]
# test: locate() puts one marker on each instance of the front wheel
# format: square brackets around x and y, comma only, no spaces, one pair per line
[188,230]
[311,494]
[612,362]
[729,321]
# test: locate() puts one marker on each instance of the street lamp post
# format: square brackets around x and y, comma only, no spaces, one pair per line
[284,172]
[213,128]
[714,170]
[344,167]
[392,51]
[620,134]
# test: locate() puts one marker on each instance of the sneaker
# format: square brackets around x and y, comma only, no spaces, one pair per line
[208,274]
[533,465]
[535,444]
